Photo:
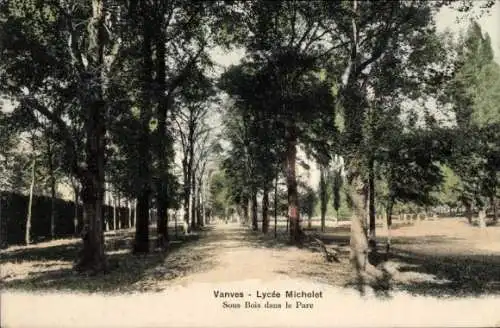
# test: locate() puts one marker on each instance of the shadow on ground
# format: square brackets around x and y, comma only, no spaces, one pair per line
[50,268]
[423,271]
[456,275]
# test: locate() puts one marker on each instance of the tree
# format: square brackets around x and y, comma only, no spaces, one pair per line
[60,63]
[473,93]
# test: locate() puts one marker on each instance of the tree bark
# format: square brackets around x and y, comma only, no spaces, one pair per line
[77,200]
[162,196]
[293,199]
[199,216]
[276,205]
[92,257]
[468,212]
[52,178]
[389,226]
[193,201]
[323,195]
[142,225]
[371,206]
[129,206]
[244,205]
[27,236]
[143,200]
[358,240]
[495,209]
[114,204]
[265,211]
[253,201]
[119,215]
[482,218]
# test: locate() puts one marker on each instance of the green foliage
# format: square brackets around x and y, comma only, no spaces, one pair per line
[220,194]
[474,93]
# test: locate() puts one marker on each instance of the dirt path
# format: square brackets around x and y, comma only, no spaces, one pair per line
[231,259]
[231,252]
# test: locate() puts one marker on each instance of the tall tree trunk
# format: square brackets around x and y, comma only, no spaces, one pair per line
[92,257]
[468,212]
[114,204]
[389,227]
[129,206]
[495,209]
[244,205]
[255,226]
[323,195]
[186,189]
[482,217]
[276,205]
[3,226]
[371,206]
[193,202]
[265,211]
[143,200]
[52,178]
[77,201]
[293,199]
[27,236]
[358,241]
[108,203]
[118,211]
[142,225]
[162,189]
[135,213]
[337,184]
[199,216]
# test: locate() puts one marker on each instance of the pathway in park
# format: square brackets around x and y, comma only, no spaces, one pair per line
[229,258]
[238,254]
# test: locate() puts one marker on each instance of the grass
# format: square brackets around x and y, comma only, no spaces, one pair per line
[49,267]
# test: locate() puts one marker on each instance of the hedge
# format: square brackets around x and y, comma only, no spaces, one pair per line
[14,208]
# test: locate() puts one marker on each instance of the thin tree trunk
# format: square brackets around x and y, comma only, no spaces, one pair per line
[118,211]
[199,216]
[77,200]
[389,226]
[265,211]
[27,237]
[495,209]
[323,195]
[468,212]
[371,206]
[108,202]
[134,222]
[276,205]
[482,218]
[255,226]
[175,225]
[293,199]
[245,210]
[193,202]
[3,226]
[52,189]
[129,206]
[114,213]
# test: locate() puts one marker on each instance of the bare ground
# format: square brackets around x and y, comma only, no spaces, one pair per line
[441,258]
